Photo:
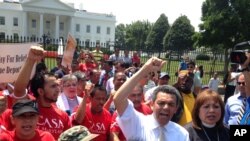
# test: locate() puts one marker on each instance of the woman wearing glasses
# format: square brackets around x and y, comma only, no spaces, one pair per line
[68,99]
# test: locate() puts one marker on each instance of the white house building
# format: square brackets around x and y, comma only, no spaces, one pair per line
[54,18]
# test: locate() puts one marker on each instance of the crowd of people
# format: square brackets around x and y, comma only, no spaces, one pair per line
[118,99]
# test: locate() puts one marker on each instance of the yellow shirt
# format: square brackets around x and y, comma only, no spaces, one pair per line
[188,103]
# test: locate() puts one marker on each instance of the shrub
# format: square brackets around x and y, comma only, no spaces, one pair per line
[202,57]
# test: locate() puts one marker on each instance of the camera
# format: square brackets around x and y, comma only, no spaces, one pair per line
[238,55]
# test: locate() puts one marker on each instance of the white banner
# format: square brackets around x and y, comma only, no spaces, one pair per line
[12,57]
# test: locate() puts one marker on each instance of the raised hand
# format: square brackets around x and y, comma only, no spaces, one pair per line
[36,53]
[154,64]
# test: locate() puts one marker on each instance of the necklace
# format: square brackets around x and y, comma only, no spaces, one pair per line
[218,139]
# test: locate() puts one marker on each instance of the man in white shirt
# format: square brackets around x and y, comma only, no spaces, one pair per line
[157,126]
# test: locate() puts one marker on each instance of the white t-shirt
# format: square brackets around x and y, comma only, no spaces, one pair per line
[213,84]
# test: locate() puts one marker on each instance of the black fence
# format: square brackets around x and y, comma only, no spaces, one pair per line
[211,61]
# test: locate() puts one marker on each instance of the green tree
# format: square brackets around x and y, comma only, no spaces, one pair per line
[157,33]
[120,35]
[179,37]
[136,34]
[225,23]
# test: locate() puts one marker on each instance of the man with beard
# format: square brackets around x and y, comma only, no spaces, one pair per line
[45,87]
[184,85]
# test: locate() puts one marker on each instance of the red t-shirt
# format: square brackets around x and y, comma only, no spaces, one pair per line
[136,59]
[115,127]
[87,66]
[39,136]
[97,123]
[6,122]
[11,100]
[51,119]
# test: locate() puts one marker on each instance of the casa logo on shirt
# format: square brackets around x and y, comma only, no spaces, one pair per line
[50,124]
[98,128]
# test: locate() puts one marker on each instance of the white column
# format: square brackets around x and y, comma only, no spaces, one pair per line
[41,25]
[71,26]
[25,25]
[57,27]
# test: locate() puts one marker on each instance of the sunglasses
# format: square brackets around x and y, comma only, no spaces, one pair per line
[239,83]
[190,67]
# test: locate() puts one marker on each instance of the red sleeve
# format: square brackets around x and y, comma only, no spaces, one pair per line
[5,136]
[6,122]
[114,125]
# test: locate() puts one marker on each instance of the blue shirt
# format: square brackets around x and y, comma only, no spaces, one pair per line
[183,65]
[246,117]
[232,108]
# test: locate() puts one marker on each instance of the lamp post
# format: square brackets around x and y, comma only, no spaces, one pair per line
[44,40]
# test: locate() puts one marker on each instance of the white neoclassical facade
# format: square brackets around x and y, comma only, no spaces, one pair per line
[54,18]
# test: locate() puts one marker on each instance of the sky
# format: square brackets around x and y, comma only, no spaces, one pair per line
[128,11]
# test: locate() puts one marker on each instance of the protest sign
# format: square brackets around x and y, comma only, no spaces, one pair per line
[69,52]
[12,57]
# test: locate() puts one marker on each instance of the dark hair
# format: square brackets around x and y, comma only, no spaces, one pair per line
[40,67]
[191,63]
[38,81]
[200,100]
[96,88]
[169,90]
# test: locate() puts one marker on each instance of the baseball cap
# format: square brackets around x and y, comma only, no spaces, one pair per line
[77,133]
[164,74]
[24,106]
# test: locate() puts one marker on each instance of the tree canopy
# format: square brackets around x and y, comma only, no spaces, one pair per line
[157,33]
[179,36]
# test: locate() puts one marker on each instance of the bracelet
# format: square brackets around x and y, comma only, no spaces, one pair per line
[21,97]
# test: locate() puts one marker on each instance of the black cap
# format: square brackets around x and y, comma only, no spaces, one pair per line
[24,106]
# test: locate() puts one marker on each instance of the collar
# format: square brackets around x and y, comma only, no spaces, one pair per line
[155,124]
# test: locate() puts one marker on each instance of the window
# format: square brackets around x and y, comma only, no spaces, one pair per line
[108,30]
[88,29]
[15,21]
[2,36]
[87,43]
[61,26]
[98,42]
[33,23]
[2,20]
[77,27]
[47,24]
[15,37]
[98,29]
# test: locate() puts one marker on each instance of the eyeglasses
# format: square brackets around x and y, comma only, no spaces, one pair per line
[190,67]
[239,83]
[70,85]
